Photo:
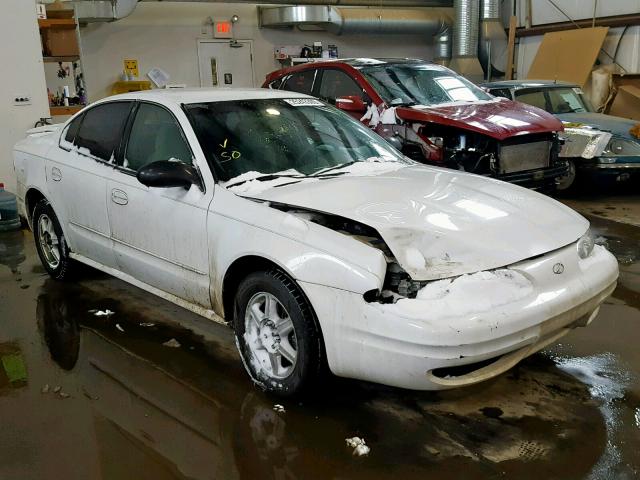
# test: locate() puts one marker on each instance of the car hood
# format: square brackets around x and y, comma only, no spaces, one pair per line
[616,125]
[498,118]
[441,223]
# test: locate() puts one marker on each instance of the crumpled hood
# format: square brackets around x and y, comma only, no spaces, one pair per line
[499,118]
[608,123]
[442,223]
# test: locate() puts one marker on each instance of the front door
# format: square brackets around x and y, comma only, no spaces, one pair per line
[226,63]
[160,234]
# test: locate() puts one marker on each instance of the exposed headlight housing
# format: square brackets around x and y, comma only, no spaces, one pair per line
[621,147]
[585,245]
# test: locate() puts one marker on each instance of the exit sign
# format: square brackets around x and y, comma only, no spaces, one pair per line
[222,30]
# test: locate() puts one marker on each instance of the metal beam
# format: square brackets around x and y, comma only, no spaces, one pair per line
[612,21]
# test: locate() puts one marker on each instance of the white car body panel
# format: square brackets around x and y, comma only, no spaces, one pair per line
[180,244]
[441,223]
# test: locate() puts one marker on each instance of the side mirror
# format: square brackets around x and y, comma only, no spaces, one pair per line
[351,103]
[165,174]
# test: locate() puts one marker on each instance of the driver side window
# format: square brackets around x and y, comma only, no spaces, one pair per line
[155,135]
[336,83]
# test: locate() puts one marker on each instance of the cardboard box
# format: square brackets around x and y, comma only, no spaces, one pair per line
[568,55]
[61,43]
[626,104]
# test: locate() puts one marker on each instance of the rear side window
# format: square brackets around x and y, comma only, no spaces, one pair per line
[501,92]
[101,130]
[301,82]
[70,132]
[533,97]
[276,84]
[155,135]
[336,83]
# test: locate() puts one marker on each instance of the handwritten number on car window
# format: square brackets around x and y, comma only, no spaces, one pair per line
[228,155]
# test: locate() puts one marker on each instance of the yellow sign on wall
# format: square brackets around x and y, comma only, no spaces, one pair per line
[131,67]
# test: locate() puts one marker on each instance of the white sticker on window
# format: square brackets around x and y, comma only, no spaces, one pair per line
[578,90]
[306,102]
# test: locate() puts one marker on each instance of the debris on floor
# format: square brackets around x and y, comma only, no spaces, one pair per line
[173,343]
[57,389]
[64,395]
[45,389]
[119,328]
[279,408]
[358,445]
[102,313]
[147,324]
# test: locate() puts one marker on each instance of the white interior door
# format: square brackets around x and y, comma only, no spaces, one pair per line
[226,63]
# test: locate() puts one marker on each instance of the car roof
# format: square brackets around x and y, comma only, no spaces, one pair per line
[364,62]
[203,95]
[353,62]
[528,84]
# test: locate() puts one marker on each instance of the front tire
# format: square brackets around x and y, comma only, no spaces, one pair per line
[567,183]
[50,242]
[276,334]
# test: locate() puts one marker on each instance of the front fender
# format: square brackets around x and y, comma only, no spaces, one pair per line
[308,252]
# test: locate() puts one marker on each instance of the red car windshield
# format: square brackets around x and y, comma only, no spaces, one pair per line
[421,84]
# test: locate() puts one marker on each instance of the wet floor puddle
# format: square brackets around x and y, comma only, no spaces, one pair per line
[149,398]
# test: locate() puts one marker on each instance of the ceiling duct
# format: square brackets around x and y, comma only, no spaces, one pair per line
[493,39]
[346,21]
[88,11]
[465,39]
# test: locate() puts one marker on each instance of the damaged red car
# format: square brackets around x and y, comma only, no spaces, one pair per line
[435,116]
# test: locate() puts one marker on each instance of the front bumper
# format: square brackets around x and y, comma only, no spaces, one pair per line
[404,346]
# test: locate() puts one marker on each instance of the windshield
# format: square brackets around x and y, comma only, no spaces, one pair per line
[421,84]
[555,100]
[297,136]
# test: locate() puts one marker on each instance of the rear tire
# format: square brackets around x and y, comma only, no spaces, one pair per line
[50,242]
[276,334]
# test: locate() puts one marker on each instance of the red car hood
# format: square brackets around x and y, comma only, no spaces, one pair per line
[499,118]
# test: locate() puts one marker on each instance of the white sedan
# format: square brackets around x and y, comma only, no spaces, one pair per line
[314,239]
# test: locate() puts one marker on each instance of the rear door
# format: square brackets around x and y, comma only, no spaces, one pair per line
[159,234]
[77,175]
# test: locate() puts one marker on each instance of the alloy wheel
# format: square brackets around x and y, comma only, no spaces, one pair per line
[270,336]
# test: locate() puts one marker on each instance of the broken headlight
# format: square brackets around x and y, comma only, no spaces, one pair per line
[585,245]
[621,147]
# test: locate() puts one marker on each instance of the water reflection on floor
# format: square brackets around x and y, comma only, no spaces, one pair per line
[86,396]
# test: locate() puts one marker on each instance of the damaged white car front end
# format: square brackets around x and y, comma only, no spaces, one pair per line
[479,274]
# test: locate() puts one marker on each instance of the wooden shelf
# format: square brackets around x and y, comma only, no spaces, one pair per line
[57,23]
[59,13]
[72,58]
[70,110]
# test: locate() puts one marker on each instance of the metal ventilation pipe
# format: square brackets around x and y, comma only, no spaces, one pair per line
[465,39]
[88,11]
[493,39]
[465,28]
[346,21]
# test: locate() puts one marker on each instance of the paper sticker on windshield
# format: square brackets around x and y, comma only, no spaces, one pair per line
[304,102]
[578,90]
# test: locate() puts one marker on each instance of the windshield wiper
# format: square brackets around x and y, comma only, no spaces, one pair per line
[329,169]
[265,178]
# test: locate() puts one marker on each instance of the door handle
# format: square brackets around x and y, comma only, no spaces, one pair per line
[119,197]
[56,174]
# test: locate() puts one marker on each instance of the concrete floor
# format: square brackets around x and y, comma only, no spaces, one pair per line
[102,397]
